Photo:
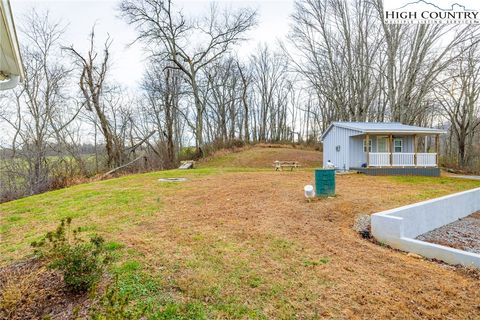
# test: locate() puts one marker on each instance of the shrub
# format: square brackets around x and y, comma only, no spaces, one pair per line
[81,262]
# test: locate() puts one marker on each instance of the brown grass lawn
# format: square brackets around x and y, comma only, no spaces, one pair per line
[241,245]
[263,156]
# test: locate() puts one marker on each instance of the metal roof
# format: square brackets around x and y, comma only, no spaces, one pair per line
[382,127]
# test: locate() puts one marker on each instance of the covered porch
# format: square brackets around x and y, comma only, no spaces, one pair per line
[399,150]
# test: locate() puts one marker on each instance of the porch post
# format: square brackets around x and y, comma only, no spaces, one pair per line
[437,148]
[415,150]
[390,141]
[367,144]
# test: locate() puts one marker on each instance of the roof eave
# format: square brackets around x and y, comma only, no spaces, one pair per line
[432,131]
[343,125]
[6,15]
[326,131]
[340,125]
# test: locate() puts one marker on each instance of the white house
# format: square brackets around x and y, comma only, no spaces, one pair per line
[381,148]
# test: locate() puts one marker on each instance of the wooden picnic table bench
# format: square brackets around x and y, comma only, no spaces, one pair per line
[189,164]
[279,165]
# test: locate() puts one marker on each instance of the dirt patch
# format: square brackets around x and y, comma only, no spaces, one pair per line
[463,234]
[28,290]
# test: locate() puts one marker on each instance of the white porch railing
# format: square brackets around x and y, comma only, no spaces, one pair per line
[403,159]
[427,159]
[379,159]
[382,159]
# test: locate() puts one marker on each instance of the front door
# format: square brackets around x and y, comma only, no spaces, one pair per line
[382,144]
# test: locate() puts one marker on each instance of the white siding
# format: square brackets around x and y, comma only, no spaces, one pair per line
[351,153]
[357,156]
[338,137]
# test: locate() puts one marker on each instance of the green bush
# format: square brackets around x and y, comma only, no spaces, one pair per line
[81,262]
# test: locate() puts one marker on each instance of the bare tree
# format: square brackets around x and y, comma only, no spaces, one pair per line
[458,94]
[246,77]
[339,46]
[93,70]
[222,99]
[40,106]
[416,57]
[162,92]
[171,37]
[271,85]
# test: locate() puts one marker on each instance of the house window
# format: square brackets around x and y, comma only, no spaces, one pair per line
[369,145]
[398,145]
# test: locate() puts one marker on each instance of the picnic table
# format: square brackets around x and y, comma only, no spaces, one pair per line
[186,165]
[279,165]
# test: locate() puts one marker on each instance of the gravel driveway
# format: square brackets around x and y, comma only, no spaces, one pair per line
[463,234]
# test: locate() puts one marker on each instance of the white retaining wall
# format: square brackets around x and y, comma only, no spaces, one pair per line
[399,227]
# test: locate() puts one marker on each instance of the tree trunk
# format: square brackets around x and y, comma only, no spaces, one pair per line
[199,116]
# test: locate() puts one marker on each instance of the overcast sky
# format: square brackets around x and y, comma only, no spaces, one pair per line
[128,61]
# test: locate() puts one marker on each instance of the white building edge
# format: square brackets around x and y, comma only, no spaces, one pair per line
[11,67]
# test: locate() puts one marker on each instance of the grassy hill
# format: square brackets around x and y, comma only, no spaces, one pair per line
[238,241]
[263,156]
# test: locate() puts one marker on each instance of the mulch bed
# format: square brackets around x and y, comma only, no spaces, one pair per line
[463,234]
[29,290]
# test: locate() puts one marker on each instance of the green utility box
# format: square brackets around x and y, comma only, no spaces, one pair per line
[324,182]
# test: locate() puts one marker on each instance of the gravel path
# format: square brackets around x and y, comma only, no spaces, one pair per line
[465,177]
[463,234]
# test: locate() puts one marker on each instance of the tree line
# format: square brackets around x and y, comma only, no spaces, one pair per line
[341,62]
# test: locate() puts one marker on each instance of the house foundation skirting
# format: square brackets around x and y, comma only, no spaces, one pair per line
[399,171]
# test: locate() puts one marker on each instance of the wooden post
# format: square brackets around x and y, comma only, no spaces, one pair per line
[437,148]
[390,141]
[367,144]
[415,150]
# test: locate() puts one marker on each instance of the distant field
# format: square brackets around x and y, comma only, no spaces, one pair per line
[18,168]
[58,162]
[239,241]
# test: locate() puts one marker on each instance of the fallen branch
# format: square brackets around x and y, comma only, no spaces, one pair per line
[133,148]
[122,166]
